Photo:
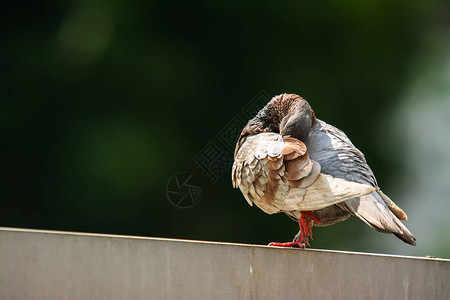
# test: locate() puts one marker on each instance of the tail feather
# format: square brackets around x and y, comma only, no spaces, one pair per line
[373,210]
[397,211]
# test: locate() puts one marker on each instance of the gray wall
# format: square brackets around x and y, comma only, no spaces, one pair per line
[62,265]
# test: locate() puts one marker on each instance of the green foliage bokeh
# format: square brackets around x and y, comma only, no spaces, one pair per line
[104,101]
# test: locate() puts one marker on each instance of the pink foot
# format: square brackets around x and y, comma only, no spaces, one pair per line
[306,222]
[288,244]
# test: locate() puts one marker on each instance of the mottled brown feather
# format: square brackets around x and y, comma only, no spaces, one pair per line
[275,164]
[293,148]
[299,173]
[271,190]
[308,180]
[296,164]
[274,173]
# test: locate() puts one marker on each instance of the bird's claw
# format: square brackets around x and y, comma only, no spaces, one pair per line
[296,244]
[306,222]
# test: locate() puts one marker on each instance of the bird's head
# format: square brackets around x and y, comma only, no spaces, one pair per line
[299,119]
[287,114]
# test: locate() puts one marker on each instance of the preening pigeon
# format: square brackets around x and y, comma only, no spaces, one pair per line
[287,160]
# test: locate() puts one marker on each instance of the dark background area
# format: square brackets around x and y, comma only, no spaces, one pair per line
[102,102]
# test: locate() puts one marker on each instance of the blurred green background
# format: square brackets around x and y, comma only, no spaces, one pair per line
[102,102]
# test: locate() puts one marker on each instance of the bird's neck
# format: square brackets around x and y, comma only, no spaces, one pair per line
[270,117]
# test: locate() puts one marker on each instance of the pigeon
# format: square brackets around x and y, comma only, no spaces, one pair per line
[286,160]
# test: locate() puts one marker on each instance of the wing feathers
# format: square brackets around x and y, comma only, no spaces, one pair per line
[340,159]
[277,174]
[327,190]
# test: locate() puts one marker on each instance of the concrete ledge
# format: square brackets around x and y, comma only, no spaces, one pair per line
[36,264]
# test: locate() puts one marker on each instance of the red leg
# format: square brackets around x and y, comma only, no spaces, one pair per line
[306,222]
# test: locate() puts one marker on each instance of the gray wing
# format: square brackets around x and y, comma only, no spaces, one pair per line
[333,150]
